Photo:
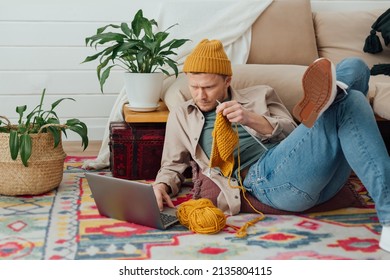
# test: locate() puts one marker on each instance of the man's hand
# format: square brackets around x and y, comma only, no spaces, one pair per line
[235,113]
[161,193]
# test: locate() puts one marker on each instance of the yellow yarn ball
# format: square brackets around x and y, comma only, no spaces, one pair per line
[201,216]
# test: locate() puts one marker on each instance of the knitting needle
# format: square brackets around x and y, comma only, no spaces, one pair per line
[247,130]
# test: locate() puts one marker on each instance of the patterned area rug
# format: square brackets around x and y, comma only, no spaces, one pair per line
[65,224]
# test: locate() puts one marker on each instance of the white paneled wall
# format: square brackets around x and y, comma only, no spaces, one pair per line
[42,45]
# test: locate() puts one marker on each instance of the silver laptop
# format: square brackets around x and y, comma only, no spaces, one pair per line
[129,201]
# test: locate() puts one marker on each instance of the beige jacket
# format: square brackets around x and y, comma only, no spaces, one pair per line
[183,130]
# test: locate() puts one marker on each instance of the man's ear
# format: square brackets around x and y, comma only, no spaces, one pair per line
[228,81]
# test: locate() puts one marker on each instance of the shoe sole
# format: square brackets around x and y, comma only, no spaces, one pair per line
[319,91]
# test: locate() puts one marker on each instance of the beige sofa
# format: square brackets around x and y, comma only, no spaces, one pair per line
[287,37]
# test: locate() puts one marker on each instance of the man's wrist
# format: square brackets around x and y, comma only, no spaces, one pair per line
[166,188]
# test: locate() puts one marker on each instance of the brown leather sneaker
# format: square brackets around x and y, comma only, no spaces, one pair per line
[319,91]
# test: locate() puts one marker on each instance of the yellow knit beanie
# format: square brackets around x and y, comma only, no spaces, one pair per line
[208,57]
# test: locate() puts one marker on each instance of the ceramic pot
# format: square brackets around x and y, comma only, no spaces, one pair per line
[143,90]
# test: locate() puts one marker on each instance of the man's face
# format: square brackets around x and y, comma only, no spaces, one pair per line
[207,88]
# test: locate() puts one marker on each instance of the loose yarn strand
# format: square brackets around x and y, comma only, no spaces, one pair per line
[242,232]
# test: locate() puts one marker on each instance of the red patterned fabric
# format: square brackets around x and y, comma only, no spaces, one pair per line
[136,149]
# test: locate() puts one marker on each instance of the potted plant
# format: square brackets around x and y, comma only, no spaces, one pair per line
[141,52]
[31,153]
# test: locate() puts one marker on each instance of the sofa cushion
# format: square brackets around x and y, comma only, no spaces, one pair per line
[343,34]
[374,89]
[175,91]
[204,187]
[284,34]
[337,43]
[381,101]
[285,79]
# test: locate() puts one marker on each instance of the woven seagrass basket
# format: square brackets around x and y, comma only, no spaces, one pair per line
[45,167]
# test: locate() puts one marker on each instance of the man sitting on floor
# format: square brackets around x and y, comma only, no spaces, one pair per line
[283,165]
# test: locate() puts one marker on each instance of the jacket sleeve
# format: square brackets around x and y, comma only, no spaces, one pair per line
[277,115]
[176,156]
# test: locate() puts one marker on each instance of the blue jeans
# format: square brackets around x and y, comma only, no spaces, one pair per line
[312,164]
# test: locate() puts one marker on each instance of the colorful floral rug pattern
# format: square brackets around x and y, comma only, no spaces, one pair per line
[65,224]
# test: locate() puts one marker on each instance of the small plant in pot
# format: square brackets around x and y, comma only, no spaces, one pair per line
[138,50]
[32,156]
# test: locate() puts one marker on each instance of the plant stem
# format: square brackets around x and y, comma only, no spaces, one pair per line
[42,97]
[40,104]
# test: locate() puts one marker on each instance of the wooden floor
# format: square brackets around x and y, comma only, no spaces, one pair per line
[74,148]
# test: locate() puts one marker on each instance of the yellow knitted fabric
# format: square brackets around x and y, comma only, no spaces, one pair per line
[225,140]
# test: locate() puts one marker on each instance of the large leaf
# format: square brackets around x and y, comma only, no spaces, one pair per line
[34,112]
[152,45]
[174,44]
[42,97]
[98,32]
[101,29]
[20,110]
[72,122]
[177,43]
[55,104]
[56,135]
[33,116]
[82,131]
[147,27]
[136,24]
[128,45]
[25,148]
[101,66]
[93,57]
[109,55]
[38,122]
[108,51]
[166,53]
[125,29]
[55,121]
[173,65]
[14,144]
[104,76]
[107,37]
[82,128]
[50,115]
[161,36]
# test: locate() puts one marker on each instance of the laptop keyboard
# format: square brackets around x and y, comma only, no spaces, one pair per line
[166,218]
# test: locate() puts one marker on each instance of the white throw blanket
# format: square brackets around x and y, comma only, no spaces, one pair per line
[228,21]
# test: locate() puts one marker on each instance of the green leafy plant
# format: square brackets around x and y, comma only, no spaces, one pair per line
[39,121]
[137,49]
